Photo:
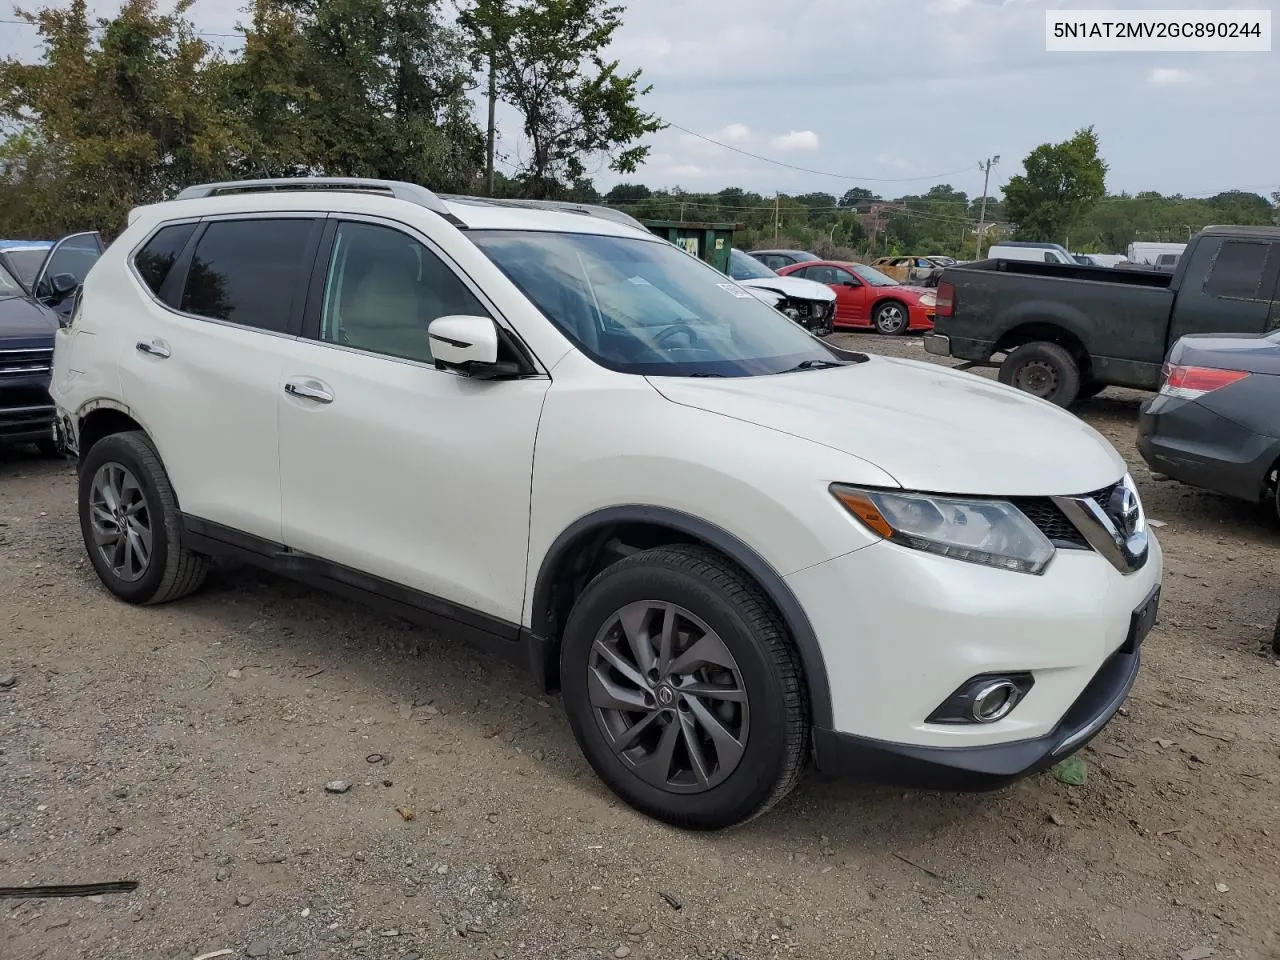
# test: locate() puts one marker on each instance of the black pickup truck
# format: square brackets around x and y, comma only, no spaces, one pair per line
[1065,332]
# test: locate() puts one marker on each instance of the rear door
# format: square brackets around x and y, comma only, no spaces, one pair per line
[64,269]
[202,356]
[1229,286]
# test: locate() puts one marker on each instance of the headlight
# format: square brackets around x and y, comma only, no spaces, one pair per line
[994,533]
[928,300]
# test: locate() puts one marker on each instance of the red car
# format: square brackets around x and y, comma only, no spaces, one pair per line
[867,298]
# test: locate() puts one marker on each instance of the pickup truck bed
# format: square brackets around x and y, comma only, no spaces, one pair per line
[1069,331]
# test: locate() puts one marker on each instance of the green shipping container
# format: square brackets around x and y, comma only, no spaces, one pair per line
[707,241]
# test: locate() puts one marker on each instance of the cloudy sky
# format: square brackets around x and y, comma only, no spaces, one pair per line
[898,95]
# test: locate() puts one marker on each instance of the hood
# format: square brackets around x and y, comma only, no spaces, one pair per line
[21,318]
[795,287]
[930,428]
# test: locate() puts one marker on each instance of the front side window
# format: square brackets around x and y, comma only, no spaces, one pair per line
[74,255]
[24,262]
[1237,270]
[248,272]
[383,290]
[641,306]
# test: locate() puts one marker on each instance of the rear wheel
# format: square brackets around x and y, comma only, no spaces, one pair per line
[683,689]
[891,318]
[131,525]
[1045,370]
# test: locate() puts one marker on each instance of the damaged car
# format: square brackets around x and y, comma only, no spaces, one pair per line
[812,305]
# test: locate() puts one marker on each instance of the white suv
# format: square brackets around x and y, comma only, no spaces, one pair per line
[728,543]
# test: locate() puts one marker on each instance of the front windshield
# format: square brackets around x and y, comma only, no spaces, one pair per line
[743,266]
[873,276]
[9,287]
[646,307]
[25,262]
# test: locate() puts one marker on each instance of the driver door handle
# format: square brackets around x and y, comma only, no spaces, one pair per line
[155,348]
[309,389]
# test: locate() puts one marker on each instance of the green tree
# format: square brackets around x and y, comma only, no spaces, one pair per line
[857,195]
[357,88]
[117,112]
[573,103]
[1063,182]
[628,193]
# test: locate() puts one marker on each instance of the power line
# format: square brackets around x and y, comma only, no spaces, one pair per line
[819,173]
[199,33]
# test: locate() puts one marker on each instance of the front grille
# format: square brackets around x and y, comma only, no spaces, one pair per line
[24,364]
[1053,523]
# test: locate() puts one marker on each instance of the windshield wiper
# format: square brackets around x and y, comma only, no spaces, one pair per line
[705,374]
[816,365]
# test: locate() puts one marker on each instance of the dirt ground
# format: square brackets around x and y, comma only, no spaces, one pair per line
[187,748]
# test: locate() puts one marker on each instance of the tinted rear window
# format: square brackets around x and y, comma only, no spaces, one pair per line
[155,260]
[248,272]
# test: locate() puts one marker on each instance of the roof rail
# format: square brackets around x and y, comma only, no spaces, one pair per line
[565,206]
[401,190]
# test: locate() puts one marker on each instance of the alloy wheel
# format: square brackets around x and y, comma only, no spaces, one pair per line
[121,522]
[668,696]
[891,318]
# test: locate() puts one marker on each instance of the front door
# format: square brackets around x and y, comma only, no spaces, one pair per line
[389,466]
[851,294]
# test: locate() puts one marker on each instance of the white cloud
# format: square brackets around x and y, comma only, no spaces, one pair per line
[796,140]
[733,133]
[1165,76]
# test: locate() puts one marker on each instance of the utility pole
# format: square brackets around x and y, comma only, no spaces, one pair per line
[985,167]
[495,12]
[776,224]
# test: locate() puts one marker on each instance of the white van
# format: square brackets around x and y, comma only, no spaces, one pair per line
[1026,250]
[1149,253]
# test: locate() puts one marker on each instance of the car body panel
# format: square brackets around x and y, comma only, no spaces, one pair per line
[857,301]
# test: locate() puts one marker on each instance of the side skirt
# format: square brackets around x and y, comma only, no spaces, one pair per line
[500,638]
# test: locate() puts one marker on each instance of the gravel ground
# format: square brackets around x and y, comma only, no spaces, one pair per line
[188,748]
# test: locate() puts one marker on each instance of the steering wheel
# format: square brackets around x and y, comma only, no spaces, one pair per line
[671,331]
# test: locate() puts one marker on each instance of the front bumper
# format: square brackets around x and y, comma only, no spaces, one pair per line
[1191,443]
[987,767]
[901,630]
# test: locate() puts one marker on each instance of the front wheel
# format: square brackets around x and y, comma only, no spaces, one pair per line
[891,318]
[684,690]
[131,525]
[1045,370]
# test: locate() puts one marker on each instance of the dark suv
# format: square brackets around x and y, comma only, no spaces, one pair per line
[38,282]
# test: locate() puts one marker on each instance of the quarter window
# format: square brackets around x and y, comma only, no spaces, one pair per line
[1237,270]
[383,290]
[156,259]
[249,272]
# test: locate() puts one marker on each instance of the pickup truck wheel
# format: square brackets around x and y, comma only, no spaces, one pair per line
[891,318]
[131,525]
[1091,389]
[1044,370]
[683,689]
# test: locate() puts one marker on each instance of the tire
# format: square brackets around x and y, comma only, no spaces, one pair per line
[707,599]
[1044,370]
[891,318]
[1275,639]
[128,464]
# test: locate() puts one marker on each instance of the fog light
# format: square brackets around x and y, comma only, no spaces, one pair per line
[984,699]
[994,701]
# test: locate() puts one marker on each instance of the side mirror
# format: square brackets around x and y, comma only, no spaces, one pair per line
[63,284]
[469,346]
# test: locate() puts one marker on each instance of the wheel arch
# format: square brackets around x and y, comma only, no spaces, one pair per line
[101,418]
[1049,331]
[580,552]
